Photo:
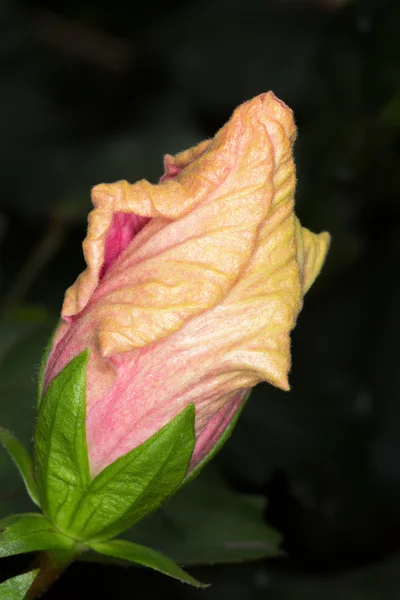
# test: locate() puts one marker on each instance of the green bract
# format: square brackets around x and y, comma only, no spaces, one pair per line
[137,483]
[61,460]
[125,491]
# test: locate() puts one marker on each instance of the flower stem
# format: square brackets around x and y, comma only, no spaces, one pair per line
[51,565]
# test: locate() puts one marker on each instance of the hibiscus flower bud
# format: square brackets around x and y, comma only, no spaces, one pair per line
[192,286]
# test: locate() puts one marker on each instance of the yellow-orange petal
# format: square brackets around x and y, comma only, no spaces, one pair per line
[312,249]
[211,215]
[268,297]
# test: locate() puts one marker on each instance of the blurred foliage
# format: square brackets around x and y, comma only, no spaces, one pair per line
[206,523]
[94,92]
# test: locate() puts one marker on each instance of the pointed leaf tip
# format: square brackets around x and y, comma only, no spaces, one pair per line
[61,458]
[23,462]
[146,557]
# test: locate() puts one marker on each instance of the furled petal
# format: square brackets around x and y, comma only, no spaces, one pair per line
[210,216]
[173,165]
[192,286]
[123,229]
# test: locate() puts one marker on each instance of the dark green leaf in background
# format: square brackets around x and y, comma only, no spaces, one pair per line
[207,523]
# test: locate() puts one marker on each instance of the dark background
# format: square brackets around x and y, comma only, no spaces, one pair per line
[96,91]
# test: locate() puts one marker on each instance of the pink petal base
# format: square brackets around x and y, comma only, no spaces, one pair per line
[216,427]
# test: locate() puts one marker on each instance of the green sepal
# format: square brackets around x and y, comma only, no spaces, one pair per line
[30,532]
[222,440]
[16,587]
[147,557]
[61,459]
[125,491]
[42,367]
[22,460]
[136,483]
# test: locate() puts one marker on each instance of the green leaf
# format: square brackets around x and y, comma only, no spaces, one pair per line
[222,440]
[30,532]
[136,483]
[207,522]
[61,460]
[22,460]
[16,587]
[42,367]
[147,557]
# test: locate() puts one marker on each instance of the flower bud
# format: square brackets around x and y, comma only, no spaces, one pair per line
[192,286]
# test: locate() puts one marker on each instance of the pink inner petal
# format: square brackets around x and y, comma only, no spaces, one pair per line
[171,172]
[212,432]
[124,228]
